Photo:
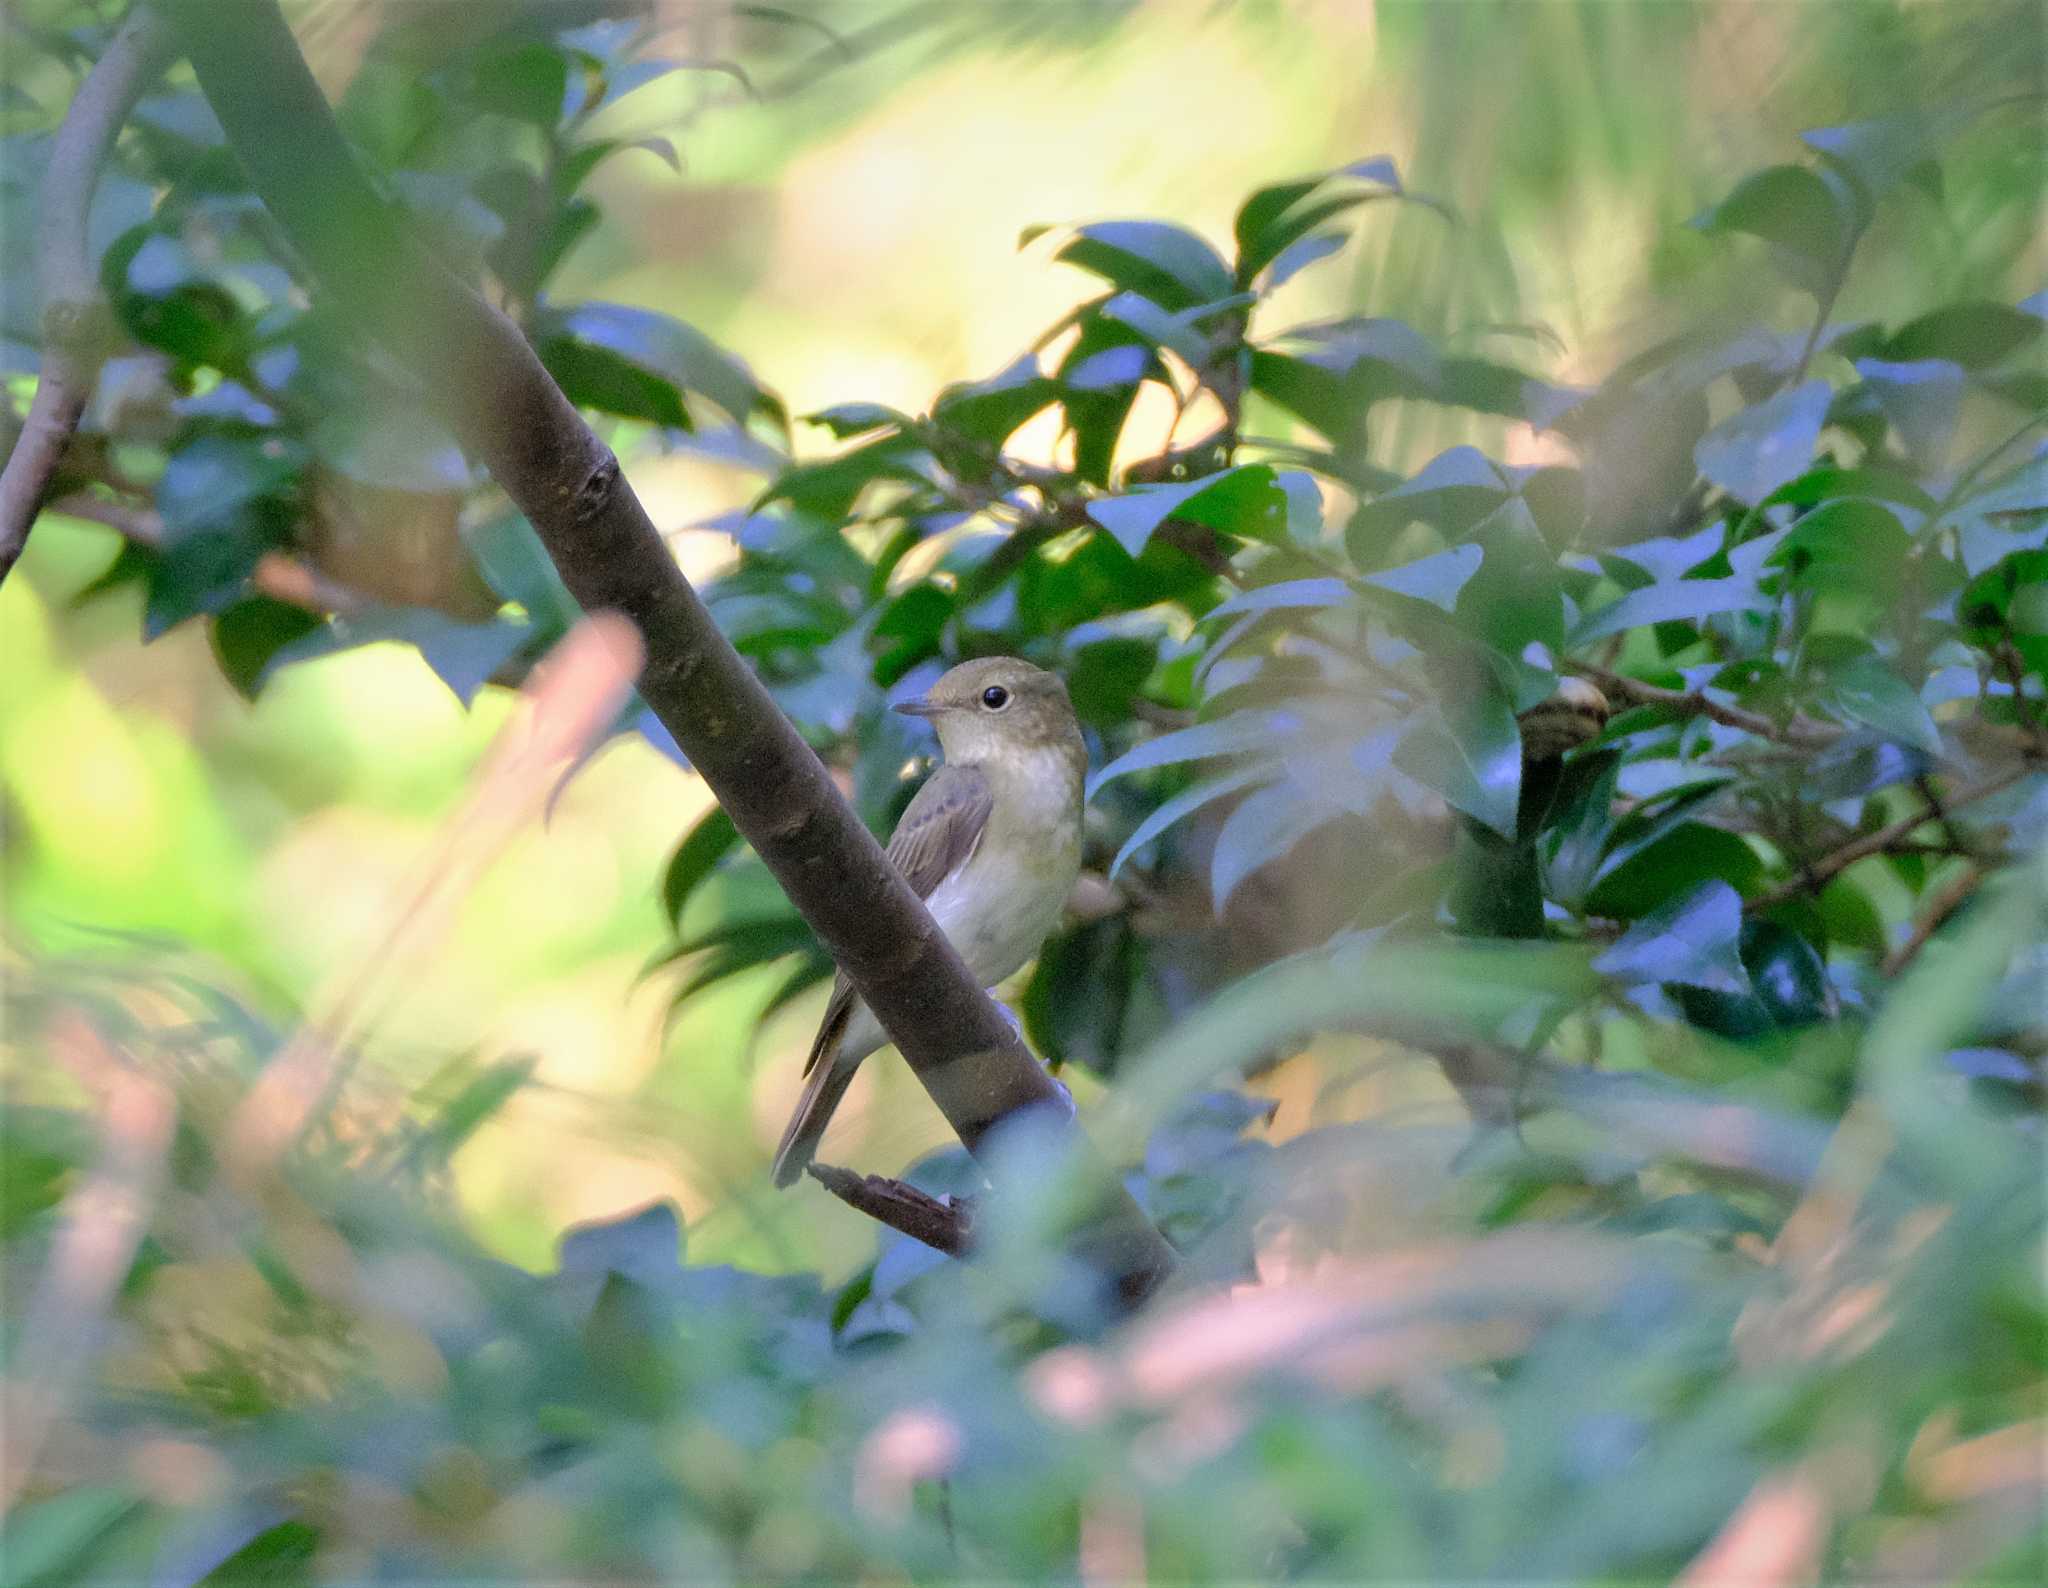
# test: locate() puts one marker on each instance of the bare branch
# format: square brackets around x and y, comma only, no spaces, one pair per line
[74,331]
[942,1224]
[1803,732]
[1818,873]
[1941,907]
[494,393]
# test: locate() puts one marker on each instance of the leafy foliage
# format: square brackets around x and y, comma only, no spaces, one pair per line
[1734,984]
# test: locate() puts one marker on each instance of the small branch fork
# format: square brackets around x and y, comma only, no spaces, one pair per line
[74,315]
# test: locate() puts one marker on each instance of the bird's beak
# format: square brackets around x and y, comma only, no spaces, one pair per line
[919,708]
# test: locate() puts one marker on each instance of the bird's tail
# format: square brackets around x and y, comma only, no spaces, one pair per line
[822,1092]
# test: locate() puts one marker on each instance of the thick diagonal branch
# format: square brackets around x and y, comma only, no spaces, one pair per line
[507,412]
[74,328]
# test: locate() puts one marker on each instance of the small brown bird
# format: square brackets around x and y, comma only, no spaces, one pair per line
[992,844]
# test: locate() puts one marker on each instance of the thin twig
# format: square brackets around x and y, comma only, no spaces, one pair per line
[1800,731]
[1942,905]
[276,575]
[1817,873]
[942,1224]
[74,328]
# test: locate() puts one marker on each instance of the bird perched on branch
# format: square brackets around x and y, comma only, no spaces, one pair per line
[992,844]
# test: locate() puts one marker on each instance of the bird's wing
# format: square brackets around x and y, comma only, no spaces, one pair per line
[938,833]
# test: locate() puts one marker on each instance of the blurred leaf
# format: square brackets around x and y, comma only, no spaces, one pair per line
[1975,335]
[517,567]
[1795,209]
[1693,938]
[1641,873]
[1438,579]
[1865,690]
[1922,399]
[1231,735]
[1266,824]
[1513,601]
[1275,217]
[527,82]
[645,1245]
[248,634]
[1847,544]
[1471,754]
[1754,452]
[1185,804]
[50,1538]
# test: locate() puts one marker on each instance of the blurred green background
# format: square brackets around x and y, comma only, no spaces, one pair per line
[850,227]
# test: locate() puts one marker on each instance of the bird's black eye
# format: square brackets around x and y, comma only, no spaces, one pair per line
[995,697]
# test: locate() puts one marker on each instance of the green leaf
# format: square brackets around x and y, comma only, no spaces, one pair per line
[1865,690]
[215,481]
[462,655]
[1168,264]
[1673,600]
[1274,217]
[1639,876]
[517,568]
[696,857]
[248,634]
[1922,399]
[990,410]
[1247,500]
[1286,595]
[1231,735]
[645,1246]
[637,363]
[1794,208]
[1438,579]
[1265,825]
[846,420]
[527,82]
[48,1539]
[1976,335]
[1186,803]
[1514,600]
[1452,492]
[1693,939]
[1847,544]
[1754,452]
[1179,334]
[1471,754]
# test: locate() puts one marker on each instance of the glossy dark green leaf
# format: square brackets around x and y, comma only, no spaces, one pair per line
[1168,264]
[1693,938]
[1471,754]
[1452,492]
[696,857]
[1861,763]
[1582,817]
[248,634]
[638,363]
[988,411]
[1080,995]
[1640,877]
[1438,579]
[1247,500]
[1674,600]
[1847,544]
[1180,334]
[1288,595]
[1275,216]
[1754,452]
[463,656]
